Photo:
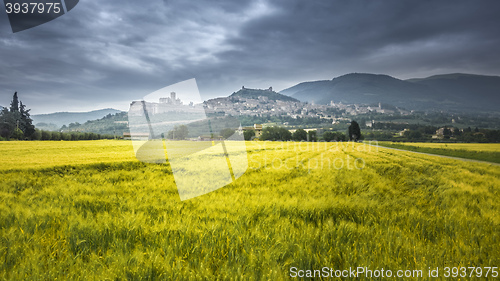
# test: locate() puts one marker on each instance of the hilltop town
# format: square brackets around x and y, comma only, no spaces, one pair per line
[257,109]
[263,103]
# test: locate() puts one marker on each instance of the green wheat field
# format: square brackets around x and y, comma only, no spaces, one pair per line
[90,211]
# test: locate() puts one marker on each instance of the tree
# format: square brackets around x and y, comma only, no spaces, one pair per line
[354,131]
[340,136]
[284,134]
[328,136]
[312,135]
[17,134]
[46,135]
[299,135]
[14,105]
[7,123]
[446,133]
[55,136]
[413,135]
[37,135]
[26,123]
[226,133]
[333,136]
[248,134]
[72,125]
[276,133]
[17,117]
[178,133]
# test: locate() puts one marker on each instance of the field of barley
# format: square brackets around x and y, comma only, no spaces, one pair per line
[489,152]
[91,211]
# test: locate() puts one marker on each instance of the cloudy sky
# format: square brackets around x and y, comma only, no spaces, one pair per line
[108,53]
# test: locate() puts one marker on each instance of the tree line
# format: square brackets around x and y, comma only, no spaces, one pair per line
[416,132]
[282,134]
[16,124]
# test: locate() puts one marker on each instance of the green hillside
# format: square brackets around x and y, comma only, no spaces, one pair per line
[59,119]
[256,93]
[111,124]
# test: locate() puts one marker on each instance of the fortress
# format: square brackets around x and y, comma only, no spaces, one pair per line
[164,105]
[171,100]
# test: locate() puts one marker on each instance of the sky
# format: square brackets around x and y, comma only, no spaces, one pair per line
[105,54]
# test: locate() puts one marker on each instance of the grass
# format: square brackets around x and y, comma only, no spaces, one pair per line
[42,154]
[296,206]
[489,152]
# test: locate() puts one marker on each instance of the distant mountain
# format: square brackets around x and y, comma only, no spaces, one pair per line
[59,119]
[255,93]
[478,90]
[449,92]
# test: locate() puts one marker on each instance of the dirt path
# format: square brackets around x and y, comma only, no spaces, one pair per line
[444,156]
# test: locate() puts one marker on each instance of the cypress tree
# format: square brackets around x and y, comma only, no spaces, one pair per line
[354,131]
[14,105]
[16,122]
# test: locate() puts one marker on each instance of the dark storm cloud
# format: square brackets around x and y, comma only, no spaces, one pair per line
[338,37]
[107,53]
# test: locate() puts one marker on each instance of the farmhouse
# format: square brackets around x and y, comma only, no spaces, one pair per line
[256,127]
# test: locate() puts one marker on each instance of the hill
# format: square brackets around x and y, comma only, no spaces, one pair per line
[111,124]
[449,92]
[58,119]
[256,93]
[479,90]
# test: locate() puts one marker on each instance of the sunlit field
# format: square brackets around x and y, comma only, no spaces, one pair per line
[489,152]
[42,154]
[487,147]
[91,211]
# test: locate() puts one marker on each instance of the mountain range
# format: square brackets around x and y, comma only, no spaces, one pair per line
[452,92]
[65,118]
